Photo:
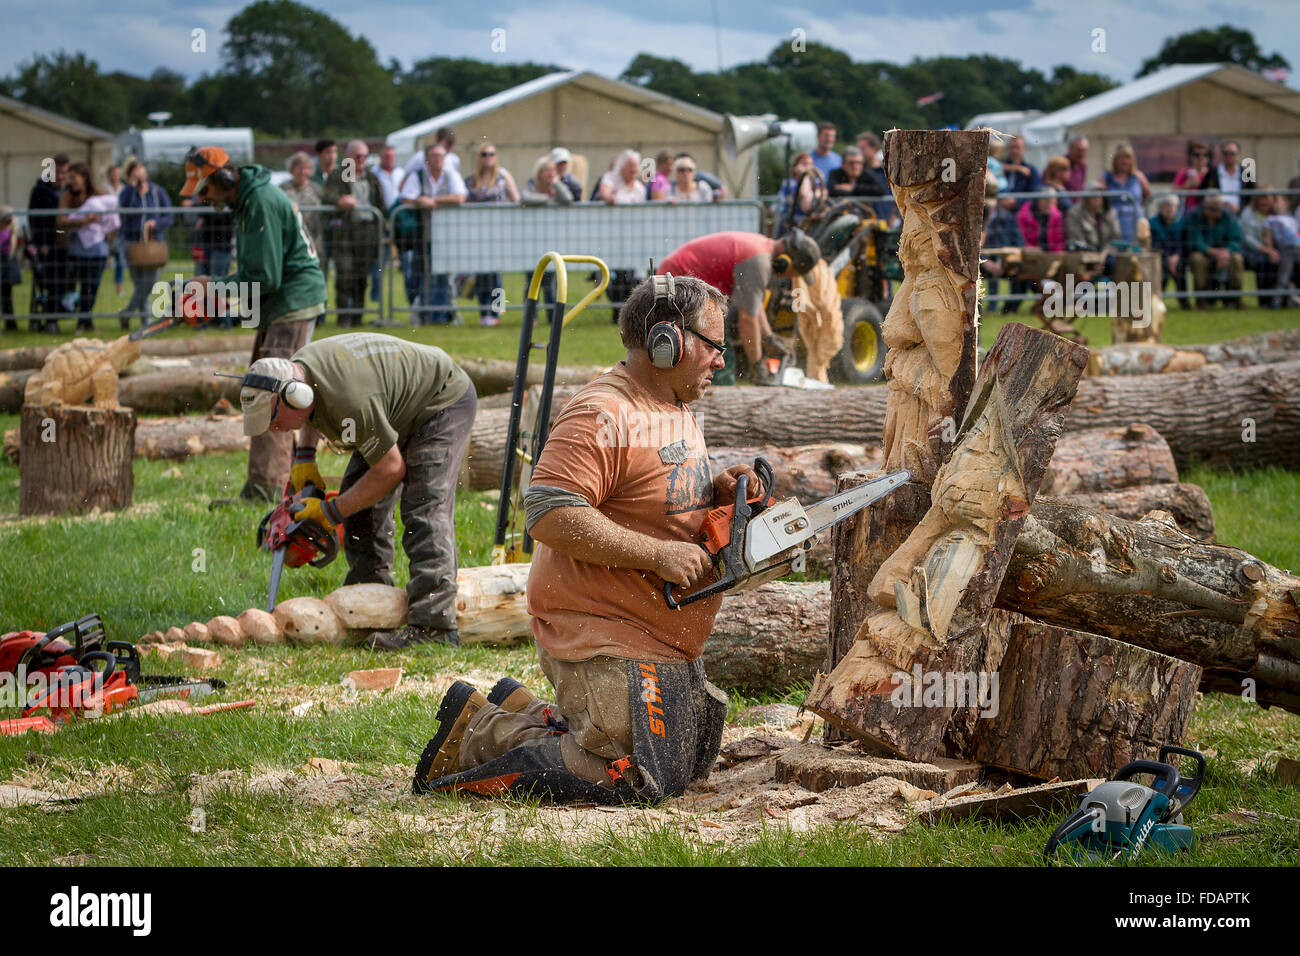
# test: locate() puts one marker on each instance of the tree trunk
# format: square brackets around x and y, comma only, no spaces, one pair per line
[75,459]
[1105,459]
[204,363]
[1217,416]
[1266,348]
[13,386]
[33,356]
[1188,504]
[1147,583]
[937,589]
[766,640]
[172,439]
[496,376]
[491,606]
[1071,704]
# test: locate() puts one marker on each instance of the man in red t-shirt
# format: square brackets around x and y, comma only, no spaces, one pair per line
[615,504]
[742,264]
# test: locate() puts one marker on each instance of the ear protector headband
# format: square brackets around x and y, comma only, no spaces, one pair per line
[295,393]
[664,342]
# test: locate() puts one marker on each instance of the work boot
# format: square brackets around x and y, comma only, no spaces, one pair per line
[509,694]
[442,756]
[410,635]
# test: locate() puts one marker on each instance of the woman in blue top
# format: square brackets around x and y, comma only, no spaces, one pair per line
[1126,177]
[139,193]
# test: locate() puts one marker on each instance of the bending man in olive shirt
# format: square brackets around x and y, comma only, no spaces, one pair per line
[405,412]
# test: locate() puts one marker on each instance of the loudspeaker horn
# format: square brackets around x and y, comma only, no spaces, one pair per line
[741,132]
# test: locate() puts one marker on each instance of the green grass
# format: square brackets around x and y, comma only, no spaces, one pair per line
[138,569]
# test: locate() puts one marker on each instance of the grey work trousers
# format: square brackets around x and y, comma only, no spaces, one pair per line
[432,454]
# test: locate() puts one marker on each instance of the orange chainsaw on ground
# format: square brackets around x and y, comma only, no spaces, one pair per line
[296,543]
[758,539]
[90,676]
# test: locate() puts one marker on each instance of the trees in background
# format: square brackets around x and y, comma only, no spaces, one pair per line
[288,70]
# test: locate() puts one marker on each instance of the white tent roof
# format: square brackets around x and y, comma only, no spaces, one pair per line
[1053,128]
[405,140]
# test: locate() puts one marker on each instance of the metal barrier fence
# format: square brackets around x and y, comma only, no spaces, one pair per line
[63,286]
[484,240]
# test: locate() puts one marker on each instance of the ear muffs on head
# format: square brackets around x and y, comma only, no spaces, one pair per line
[664,342]
[781,263]
[295,393]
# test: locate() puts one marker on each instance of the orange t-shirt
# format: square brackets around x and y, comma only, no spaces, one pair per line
[644,465]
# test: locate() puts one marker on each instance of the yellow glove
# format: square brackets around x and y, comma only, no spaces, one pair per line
[304,470]
[324,513]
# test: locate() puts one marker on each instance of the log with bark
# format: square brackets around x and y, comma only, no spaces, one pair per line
[496,376]
[1217,416]
[936,590]
[75,459]
[1108,703]
[204,362]
[33,356]
[1147,583]
[1265,348]
[1188,505]
[1106,459]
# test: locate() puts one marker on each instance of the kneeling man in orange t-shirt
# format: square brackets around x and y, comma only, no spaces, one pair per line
[615,503]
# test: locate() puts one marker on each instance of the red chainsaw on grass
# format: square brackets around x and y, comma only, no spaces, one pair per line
[295,543]
[74,671]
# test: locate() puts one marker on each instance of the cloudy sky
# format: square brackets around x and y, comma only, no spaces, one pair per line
[138,36]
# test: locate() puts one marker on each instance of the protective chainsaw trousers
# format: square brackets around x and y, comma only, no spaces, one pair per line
[621,731]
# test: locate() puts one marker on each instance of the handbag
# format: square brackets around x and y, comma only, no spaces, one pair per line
[147,252]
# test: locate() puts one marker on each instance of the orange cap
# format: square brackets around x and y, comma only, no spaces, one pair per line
[199,165]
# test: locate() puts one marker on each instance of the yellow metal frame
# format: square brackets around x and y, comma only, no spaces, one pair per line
[510,553]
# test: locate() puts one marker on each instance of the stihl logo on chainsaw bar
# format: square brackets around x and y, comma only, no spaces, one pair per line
[76,909]
[650,694]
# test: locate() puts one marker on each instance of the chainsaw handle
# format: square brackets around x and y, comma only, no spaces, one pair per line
[109,659]
[1187,787]
[1084,816]
[1166,775]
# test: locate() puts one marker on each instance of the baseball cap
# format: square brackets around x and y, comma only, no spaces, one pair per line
[209,160]
[257,403]
[803,250]
[560,155]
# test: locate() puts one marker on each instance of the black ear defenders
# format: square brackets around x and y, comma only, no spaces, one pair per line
[664,342]
[780,263]
[295,393]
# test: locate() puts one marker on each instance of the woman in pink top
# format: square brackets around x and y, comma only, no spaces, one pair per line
[1193,174]
[94,221]
[1042,225]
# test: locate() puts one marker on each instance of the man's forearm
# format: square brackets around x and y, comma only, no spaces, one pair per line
[371,488]
[588,535]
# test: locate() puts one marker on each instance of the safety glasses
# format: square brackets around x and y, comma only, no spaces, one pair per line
[717,346]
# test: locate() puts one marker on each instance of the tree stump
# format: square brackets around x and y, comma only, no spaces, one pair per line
[75,458]
[1073,704]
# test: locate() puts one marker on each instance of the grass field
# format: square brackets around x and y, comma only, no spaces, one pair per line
[168,560]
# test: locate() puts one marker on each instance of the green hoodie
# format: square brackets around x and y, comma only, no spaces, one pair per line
[273,249]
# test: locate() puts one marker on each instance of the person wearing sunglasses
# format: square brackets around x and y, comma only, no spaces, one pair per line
[615,503]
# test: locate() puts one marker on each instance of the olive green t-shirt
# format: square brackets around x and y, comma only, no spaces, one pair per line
[372,391]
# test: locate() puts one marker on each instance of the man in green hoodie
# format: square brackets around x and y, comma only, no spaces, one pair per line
[278,277]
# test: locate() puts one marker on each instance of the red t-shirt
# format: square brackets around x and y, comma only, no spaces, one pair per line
[714,258]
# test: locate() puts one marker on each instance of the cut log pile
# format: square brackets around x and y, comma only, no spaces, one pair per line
[1046,637]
